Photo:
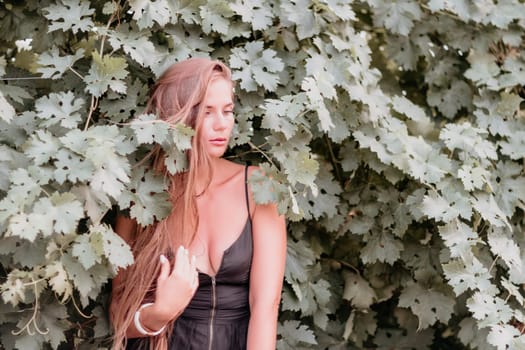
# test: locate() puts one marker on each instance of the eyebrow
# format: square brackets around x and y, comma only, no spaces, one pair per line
[231,104]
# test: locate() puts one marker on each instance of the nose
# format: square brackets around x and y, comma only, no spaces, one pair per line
[219,121]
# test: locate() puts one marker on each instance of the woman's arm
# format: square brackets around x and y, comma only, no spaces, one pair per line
[175,288]
[266,277]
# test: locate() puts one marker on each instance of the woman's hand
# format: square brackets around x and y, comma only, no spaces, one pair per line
[174,290]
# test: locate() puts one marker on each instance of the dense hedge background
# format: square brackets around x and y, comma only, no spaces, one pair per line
[393,130]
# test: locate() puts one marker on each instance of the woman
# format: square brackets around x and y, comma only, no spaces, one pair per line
[209,276]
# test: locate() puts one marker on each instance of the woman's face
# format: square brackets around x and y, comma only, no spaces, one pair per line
[217,120]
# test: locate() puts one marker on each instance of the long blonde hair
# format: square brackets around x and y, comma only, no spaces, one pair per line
[175,98]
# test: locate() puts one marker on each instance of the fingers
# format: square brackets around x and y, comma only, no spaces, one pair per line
[184,265]
[164,268]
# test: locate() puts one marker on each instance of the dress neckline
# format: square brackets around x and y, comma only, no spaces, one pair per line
[227,250]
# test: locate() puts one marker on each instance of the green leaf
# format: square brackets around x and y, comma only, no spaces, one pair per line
[137,43]
[70,166]
[62,108]
[42,146]
[302,169]
[53,66]
[451,99]
[468,274]
[382,247]
[310,87]
[503,246]
[255,66]
[398,17]
[148,12]
[71,15]
[459,238]
[106,72]
[473,177]
[63,211]
[85,252]
[76,272]
[489,210]
[437,207]
[295,333]
[215,16]
[429,306]
[489,309]
[149,129]
[358,291]
[115,248]
[502,335]
[483,69]
[514,147]
[54,318]
[58,280]
[258,14]
[7,112]
[147,198]
[469,139]
[299,13]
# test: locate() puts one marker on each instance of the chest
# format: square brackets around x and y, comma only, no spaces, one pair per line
[222,219]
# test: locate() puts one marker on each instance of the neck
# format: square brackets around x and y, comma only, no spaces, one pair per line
[203,182]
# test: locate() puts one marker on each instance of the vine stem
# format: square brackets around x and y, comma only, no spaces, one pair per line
[33,317]
[78,309]
[94,103]
[94,100]
[252,145]
[493,263]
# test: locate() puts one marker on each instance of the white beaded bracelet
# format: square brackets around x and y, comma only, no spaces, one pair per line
[138,325]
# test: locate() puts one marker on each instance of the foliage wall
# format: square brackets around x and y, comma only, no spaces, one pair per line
[393,130]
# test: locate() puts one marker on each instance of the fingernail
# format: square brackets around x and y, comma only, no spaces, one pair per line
[163,259]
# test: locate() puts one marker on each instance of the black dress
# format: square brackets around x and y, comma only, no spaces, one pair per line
[217,316]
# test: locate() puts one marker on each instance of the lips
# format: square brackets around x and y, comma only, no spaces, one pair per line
[219,141]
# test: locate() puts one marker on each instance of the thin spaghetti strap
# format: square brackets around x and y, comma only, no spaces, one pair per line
[246,192]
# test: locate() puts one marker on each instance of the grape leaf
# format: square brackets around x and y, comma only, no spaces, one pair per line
[84,251]
[53,66]
[148,12]
[215,16]
[63,211]
[149,129]
[451,99]
[70,14]
[468,274]
[54,318]
[62,108]
[489,309]
[358,291]
[396,16]
[429,306]
[473,177]
[381,247]
[502,335]
[7,112]
[298,13]
[42,146]
[58,280]
[257,13]
[458,237]
[106,72]
[76,272]
[295,333]
[253,65]
[506,248]
[136,43]
[115,248]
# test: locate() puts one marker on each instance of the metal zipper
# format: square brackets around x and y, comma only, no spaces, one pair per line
[213,304]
